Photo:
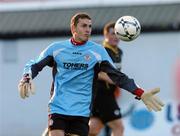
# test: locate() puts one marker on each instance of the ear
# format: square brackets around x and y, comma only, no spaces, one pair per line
[106,34]
[73,29]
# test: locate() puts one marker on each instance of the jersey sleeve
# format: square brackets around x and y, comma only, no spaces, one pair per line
[33,67]
[120,79]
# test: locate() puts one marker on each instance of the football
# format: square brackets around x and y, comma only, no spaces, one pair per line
[127,28]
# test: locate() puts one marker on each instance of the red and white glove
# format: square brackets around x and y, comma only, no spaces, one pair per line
[26,86]
[151,101]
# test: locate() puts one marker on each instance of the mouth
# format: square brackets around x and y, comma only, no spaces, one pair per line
[87,35]
[116,40]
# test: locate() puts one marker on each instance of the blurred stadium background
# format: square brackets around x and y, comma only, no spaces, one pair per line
[153,59]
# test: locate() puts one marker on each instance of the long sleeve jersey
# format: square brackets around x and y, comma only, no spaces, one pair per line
[74,68]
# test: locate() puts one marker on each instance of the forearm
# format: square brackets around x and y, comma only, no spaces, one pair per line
[34,67]
[104,76]
[118,78]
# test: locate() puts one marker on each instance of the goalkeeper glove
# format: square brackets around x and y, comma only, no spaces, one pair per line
[26,86]
[150,100]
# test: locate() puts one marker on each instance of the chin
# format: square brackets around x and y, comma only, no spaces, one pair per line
[85,39]
[114,43]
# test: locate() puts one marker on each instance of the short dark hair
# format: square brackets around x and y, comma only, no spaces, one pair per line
[76,17]
[108,26]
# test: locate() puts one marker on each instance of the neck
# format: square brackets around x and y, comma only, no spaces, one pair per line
[113,48]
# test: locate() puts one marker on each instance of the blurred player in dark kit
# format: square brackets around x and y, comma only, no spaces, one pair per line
[105,108]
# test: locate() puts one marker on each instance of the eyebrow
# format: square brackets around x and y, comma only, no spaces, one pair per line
[86,24]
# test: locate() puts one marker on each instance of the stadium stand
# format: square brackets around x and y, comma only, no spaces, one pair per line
[55,22]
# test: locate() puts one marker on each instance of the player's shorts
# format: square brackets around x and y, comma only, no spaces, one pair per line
[105,107]
[70,124]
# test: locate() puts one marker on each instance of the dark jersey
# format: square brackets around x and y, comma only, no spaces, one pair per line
[105,106]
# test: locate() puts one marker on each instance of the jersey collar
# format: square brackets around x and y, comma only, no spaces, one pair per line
[77,43]
[114,49]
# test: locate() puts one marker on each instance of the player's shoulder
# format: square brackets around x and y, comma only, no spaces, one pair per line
[58,44]
[95,45]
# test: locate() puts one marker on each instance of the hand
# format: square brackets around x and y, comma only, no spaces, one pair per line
[105,77]
[26,86]
[151,101]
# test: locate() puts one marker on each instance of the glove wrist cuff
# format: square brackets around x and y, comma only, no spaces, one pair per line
[27,75]
[26,78]
[138,92]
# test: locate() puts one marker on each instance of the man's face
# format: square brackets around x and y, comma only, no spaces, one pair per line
[111,37]
[82,31]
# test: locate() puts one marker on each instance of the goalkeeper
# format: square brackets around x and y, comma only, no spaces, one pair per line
[76,62]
